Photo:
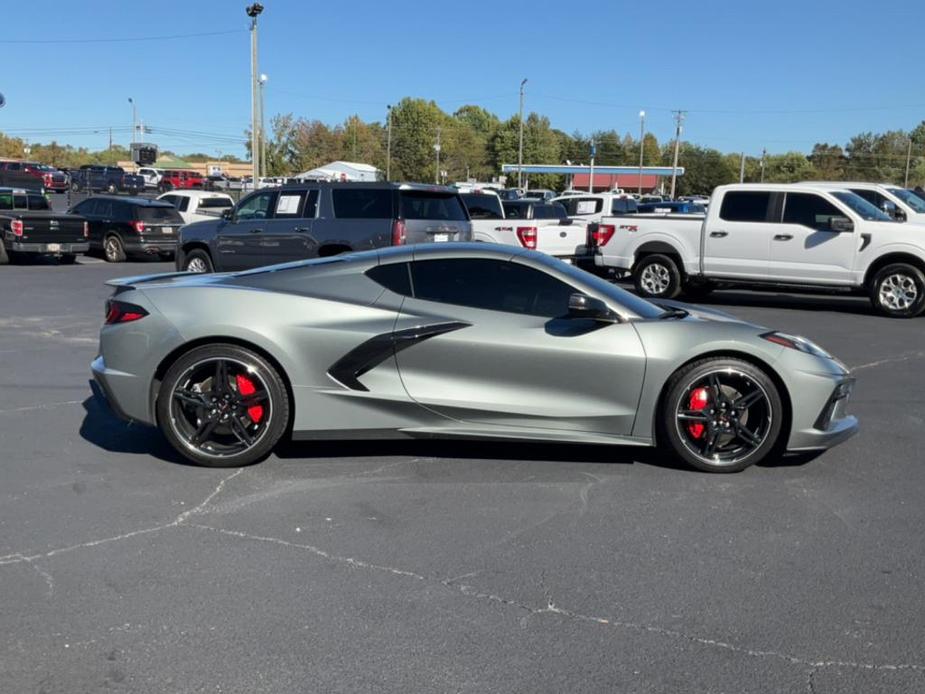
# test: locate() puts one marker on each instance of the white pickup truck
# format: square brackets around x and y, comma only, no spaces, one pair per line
[782,235]
[525,223]
[900,204]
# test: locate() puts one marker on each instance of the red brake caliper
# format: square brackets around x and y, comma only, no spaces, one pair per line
[700,398]
[246,387]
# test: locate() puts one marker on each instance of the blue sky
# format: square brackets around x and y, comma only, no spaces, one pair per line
[780,74]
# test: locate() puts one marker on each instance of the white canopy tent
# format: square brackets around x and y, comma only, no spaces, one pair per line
[342,171]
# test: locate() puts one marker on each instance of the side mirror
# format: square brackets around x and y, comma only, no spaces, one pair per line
[841,225]
[228,214]
[584,306]
[899,215]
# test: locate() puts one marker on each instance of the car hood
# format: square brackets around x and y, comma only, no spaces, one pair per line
[701,312]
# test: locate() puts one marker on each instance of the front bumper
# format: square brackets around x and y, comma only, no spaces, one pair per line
[20,247]
[820,417]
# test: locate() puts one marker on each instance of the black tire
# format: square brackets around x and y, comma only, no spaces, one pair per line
[898,291]
[736,442]
[196,256]
[67,259]
[657,277]
[176,416]
[113,250]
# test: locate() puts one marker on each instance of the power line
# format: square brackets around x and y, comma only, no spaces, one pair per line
[169,37]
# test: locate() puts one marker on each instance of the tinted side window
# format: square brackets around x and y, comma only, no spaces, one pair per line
[311,205]
[259,206]
[809,210]
[881,202]
[515,211]
[394,277]
[494,285]
[85,208]
[184,204]
[38,202]
[104,209]
[362,203]
[553,211]
[745,206]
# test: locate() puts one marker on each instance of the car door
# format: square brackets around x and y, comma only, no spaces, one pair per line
[87,210]
[486,341]
[289,232]
[239,242]
[805,249]
[738,238]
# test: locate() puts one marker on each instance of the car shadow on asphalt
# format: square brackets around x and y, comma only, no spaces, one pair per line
[102,428]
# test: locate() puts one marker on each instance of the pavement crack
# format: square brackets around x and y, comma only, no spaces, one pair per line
[19,557]
[586,490]
[42,406]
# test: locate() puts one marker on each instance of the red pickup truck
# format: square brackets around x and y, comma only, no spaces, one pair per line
[180,180]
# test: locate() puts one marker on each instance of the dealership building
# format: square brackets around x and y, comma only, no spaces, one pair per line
[601,178]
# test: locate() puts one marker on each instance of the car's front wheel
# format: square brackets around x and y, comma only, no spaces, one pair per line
[721,415]
[898,291]
[197,260]
[223,406]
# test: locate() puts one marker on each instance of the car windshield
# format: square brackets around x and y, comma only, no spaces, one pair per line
[910,198]
[641,307]
[863,208]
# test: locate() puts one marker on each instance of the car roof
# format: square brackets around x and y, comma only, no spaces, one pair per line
[423,187]
[132,200]
[20,191]
[196,194]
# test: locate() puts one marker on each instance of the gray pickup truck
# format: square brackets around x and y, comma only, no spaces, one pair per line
[110,179]
[310,220]
[29,227]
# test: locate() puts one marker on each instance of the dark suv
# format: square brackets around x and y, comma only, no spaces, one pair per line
[309,220]
[123,226]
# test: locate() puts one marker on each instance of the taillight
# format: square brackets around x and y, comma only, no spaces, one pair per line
[122,312]
[16,227]
[600,234]
[398,233]
[86,230]
[138,226]
[527,237]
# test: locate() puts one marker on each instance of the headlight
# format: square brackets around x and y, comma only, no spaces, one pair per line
[801,344]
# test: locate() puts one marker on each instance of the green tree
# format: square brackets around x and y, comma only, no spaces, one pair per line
[704,169]
[414,134]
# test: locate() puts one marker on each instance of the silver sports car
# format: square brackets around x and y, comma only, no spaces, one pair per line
[456,340]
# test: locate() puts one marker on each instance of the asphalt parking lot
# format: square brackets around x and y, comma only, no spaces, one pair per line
[450,567]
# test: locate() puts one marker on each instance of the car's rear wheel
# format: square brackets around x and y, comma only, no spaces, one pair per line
[721,415]
[658,277]
[113,250]
[197,260]
[223,406]
[898,291]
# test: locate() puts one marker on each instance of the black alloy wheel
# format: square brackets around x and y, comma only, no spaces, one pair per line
[722,415]
[223,406]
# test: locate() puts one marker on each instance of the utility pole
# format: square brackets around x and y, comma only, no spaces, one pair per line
[262,141]
[591,176]
[908,164]
[764,156]
[134,118]
[520,148]
[437,150]
[742,169]
[110,138]
[678,119]
[388,146]
[253,11]
[642,138]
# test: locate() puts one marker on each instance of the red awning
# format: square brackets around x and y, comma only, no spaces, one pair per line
[608,181]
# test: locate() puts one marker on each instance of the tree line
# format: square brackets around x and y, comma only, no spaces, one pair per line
[475,142]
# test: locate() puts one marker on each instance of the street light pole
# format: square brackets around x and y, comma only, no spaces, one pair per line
[262,81]
[679,119]
[642,137]
[134,118]
[520,147]
[388,146]
[253,11]
[908,163]
[764,155]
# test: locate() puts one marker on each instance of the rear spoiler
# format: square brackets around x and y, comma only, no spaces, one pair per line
[129,282]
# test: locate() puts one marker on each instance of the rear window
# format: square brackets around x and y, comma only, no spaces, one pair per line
[483,206]
[215,202]
[554,211]
[38,202]
[623,206]
[362,203]
[515,210]
[745,206]
[581,206]
[445,207]
[155,214]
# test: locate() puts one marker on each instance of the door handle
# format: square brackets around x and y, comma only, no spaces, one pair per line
[300,229]
[719,234]
[783,237]
[256,231]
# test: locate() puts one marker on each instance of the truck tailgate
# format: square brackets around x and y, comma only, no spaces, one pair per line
[560,240]
[46,227]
